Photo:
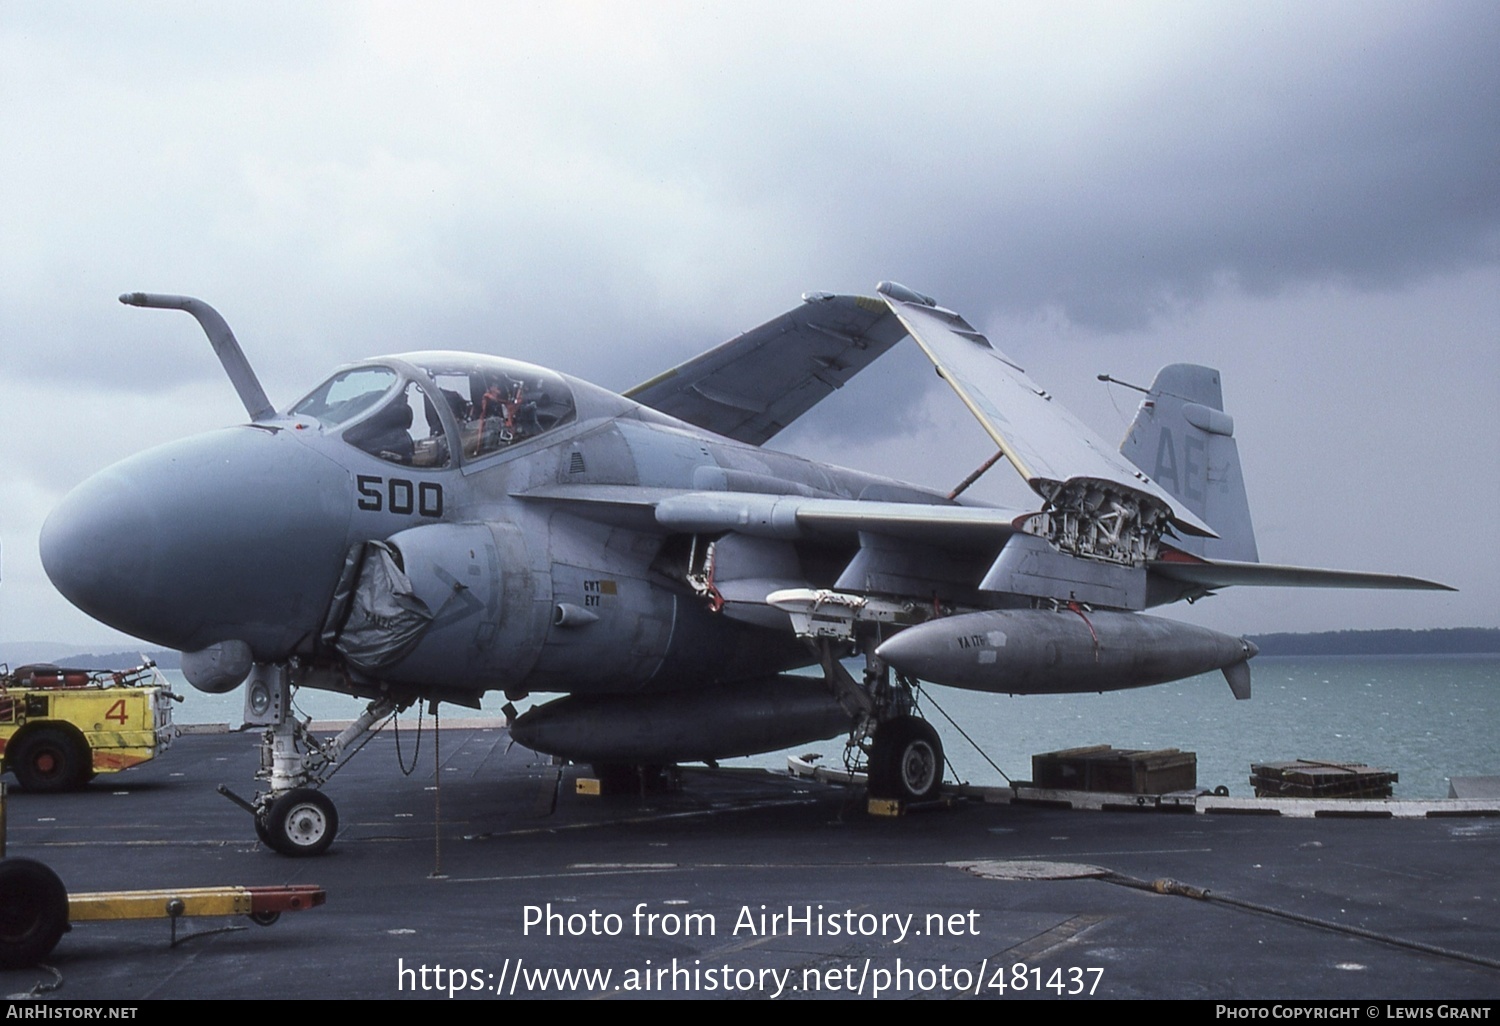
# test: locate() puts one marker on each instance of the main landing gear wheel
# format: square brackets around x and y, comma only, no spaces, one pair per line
[33,912]
[906,761]
[300,823]
[48,760]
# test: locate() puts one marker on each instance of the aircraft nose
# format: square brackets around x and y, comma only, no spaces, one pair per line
[98,544]
[237,534]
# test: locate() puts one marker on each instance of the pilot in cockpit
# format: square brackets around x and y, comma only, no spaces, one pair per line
[506,414]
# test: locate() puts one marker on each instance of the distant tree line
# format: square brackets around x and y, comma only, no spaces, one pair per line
[1443,641]
[167,659]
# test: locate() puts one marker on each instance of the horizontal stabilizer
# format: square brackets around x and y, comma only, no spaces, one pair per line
[754,385]
[1212,574]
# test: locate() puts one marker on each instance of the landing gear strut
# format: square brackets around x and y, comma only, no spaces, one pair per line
[905,754]
[292,817]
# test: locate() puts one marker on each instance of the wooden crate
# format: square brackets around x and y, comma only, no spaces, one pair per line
[1116,770]
[1311,778]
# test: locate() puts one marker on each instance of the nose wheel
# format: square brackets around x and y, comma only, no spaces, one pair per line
[300,823]
[292,816]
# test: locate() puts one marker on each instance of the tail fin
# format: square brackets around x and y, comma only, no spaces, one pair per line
[1182,438]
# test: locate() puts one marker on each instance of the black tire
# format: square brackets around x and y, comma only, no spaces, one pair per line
[301,823]
[906,761]
[33,912]
[48,760]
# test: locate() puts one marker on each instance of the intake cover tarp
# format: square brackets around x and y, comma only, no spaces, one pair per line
[385,620]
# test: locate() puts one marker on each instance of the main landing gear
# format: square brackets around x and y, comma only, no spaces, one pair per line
[292,817]
[903,753]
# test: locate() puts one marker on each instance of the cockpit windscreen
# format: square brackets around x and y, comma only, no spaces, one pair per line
[346,395]
[495,403]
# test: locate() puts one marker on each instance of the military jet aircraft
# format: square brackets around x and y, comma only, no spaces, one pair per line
[436,525]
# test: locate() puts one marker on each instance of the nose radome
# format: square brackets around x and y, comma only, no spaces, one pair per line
[97,546]
[237,534]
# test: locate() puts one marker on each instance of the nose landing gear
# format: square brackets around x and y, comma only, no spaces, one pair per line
[292,816]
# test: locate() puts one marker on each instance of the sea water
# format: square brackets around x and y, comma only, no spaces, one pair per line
[1427,718]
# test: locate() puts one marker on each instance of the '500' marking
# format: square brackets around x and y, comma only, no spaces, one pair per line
[400,495]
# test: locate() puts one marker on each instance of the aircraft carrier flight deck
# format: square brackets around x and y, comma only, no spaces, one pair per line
[484,874]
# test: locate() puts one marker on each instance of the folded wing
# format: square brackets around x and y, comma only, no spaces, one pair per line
[1052,449]
[754,385]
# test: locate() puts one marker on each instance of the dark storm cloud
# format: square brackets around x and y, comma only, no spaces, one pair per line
[1349,145]
[683,181]
[1279,152]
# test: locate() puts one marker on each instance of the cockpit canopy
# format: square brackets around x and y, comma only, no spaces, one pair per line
[407,410]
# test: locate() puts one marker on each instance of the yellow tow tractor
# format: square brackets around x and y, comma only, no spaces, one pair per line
[60,727]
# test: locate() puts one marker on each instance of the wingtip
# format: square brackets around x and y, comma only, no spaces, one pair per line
[1422,584]
[902,294]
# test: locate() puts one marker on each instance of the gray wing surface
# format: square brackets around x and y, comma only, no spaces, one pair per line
[1042,439]
[981,534]
[757,383]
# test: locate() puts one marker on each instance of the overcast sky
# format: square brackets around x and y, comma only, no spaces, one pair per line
[1306,196]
